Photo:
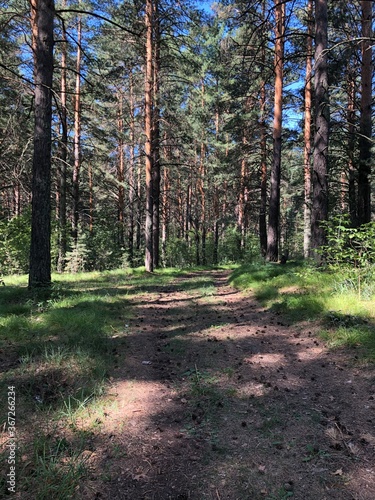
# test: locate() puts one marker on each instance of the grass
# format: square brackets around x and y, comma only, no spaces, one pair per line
[300,292]
[59,350]
[58,346]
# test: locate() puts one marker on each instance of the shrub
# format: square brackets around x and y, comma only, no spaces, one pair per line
[15,244]
[352,251]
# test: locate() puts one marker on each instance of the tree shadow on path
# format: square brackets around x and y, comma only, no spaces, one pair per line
[219,398]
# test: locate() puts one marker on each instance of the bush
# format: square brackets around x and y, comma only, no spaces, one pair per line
[178,253]
[351,250]
[15,244]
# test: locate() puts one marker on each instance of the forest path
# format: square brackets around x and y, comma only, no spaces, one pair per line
[214,397]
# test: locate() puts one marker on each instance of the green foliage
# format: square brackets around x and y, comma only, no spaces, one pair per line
[75,261]
[104,251]
[15,244]
[183,253]
[351,250]
[300,291]
[230,250]
[350,246]
[359,336]
[179,254]
[58,467]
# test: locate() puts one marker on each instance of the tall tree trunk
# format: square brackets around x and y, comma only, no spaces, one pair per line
[156,140]
[263,173]
[216,227]
[132,190]
[263,149]
[307,135]
[149,261]
[320,168]
[91,198]
[42,16]
[17,199]
[138,236]
[202,173]
[61,180]
[180,208]
[165,202]
[120,172]
[77,135]
[274,204]
[188,211]
[241,201]
[365,129]
[352,195]
[244,174]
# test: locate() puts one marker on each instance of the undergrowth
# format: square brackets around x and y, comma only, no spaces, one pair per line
[56,350]
[302,292]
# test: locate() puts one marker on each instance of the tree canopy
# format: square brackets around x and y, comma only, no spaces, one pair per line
[189,133]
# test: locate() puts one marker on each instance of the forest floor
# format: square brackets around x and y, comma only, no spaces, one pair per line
[214,397]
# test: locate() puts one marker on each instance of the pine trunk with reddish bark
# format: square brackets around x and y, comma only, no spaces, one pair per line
[307,135]
[274,203]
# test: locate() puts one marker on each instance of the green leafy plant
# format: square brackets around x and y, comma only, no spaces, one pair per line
[15,244]
[353,249]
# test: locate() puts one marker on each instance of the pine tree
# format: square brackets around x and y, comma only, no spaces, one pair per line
[320,167]
[42,16]
[307,134]
[274,204]
[365,131]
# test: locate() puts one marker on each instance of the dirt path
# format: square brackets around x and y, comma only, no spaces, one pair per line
[216,398]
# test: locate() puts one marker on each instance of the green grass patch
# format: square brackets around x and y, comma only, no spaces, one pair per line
[59,349]
[360,337]
[58,467]
[301,292]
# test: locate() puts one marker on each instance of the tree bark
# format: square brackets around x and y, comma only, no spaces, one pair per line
[307,135]
[202,174]
[132,190]
[42,16]
[241,201]
[263,172]
[91,198]
[274,204]
[263,149]
[352,195]
[165,201]
[77,135]
[322,117]
[156,167]
[149,261]
[120,172]
[365,129]
[61,180]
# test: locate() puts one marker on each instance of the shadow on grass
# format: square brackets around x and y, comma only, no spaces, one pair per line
[53,343]
[235,423]
[230,414]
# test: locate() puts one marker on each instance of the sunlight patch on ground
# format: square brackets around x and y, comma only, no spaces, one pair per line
[265,359]
[309,354]
[137,398]
[253,389]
